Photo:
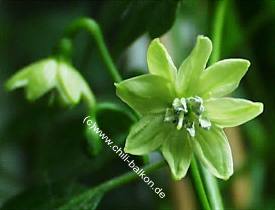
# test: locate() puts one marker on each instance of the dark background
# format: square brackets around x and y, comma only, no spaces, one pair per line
[44,160]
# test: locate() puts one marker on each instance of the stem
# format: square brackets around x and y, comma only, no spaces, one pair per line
[211,183]
[94,31]
[213,191]
[63,51]
[217,30]
[115,107]
[199,185]
[130,176]
[90,198]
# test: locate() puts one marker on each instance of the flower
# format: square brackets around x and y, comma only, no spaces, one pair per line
[47,74]
[183,112]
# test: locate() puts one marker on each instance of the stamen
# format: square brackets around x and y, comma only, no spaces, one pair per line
[180,121]
[187,113]
[191,129]
[169,115]
[204,123]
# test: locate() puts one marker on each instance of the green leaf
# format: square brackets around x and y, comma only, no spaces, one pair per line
[177,151]
[192,67]
[88,200]
[230,112]
[38,78]
[213,150]
[44,197]
[146,135]
[222,77]
[146,94]
[159,61]
[128,20]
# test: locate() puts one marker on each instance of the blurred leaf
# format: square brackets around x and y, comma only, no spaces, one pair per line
[44,197]
[132,18]
[88,200]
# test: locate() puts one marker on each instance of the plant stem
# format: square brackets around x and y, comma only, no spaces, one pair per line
[217,30]
[196,178]
[130,176]
[212,188]
[63,51]
[95,32]
[89,199]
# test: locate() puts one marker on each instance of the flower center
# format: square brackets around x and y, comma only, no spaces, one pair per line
[186,113]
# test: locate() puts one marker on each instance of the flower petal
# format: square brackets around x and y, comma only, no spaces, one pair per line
[159,61]
[230,112]
[213,150]
[146,135]
[72,85]
[38,78]
[146,94]
[193,65]
[177,150]
[222,77]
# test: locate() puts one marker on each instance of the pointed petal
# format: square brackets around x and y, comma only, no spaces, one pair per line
[222,77]
[193,65]
[146,93]
[71,84]
[213,150]
[230,112]
[38,78]
[177,151]
[159,61]
[146,135]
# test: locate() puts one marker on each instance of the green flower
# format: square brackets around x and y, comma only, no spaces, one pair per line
[48,74]
[184,111]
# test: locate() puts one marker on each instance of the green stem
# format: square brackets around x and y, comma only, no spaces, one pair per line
[94,31]
[63,51]
[115,107]
[130,176]
[213,191]
[196,178]
[91,198]
[217,30]
[212,188]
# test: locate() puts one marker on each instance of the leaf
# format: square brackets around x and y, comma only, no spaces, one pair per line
[213,150]
[222,77]
[88,200]
[44,197]
[128,20]
[231,112]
